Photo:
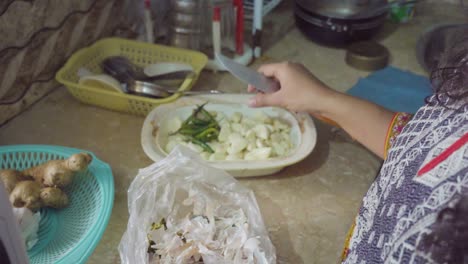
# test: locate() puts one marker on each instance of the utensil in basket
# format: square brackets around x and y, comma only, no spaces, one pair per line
[124,70]
[154,90]
[136,51]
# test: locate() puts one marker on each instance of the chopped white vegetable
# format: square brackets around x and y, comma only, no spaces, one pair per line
[270,128]
[174,124]
[194,147]
[224,132]
[171,145]
[241,137]
[260,143]
[237,143]
[236,127]
[219,147]
[276,137]
[222,119]
[258,154]
[173,141]
[249,122]
[286,136]
[235,156]
[244,129]
[262,117]
[279,149]
[251,146]
[236,117]
[261,131]
[217,156]
[280,125]
[251,135]
[205,155]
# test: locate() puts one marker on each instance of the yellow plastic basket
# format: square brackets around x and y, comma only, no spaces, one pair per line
[141,54]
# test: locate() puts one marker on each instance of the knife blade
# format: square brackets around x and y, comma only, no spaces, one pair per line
[245,74]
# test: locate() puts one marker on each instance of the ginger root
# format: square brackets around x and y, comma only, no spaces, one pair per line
[26,194]
[11,177]
[40,186]
[59,173]
[54,197]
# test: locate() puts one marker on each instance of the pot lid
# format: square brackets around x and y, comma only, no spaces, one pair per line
[343,9]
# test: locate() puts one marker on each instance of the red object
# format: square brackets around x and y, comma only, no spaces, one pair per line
[217,14]
[148,3]
[239,7]
[444,155]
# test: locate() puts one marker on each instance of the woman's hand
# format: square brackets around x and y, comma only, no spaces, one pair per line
[300,90]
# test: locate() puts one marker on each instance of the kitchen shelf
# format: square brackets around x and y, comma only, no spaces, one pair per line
[268,5]
[252,12]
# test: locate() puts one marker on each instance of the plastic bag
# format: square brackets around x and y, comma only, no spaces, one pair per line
[29,225]
[195,210]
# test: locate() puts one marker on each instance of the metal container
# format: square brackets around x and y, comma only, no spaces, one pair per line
[185,20]
[185,30]
[184,6]
[367,56]
[180,37]
[191,25]
[340,22]
[344,9]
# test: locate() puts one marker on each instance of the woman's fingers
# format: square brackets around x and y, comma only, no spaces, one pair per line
[265,99]
[261,99]
[270,70]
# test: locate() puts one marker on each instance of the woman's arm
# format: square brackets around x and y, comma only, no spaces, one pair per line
[302,92]
[366,122]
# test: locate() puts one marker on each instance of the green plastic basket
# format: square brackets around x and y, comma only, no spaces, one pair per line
[71,234]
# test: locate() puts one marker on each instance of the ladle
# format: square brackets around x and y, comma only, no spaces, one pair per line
[154,90]
[124,70]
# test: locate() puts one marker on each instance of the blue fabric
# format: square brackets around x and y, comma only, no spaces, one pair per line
[394,89]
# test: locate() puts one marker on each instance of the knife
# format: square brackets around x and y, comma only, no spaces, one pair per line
[258,80]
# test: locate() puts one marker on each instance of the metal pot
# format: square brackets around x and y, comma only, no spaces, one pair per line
[348,9]
[339,22]
[185,22]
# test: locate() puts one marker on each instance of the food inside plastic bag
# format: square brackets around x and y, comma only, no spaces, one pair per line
[29,225]
[184,211]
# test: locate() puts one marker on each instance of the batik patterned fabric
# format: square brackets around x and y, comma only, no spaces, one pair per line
[400,207]
[397,124]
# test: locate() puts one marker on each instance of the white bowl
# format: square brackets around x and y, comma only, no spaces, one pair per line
[303,133]
[101,81]
[166,67]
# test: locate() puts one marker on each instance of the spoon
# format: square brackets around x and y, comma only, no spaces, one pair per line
[154,90]
[124,70]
